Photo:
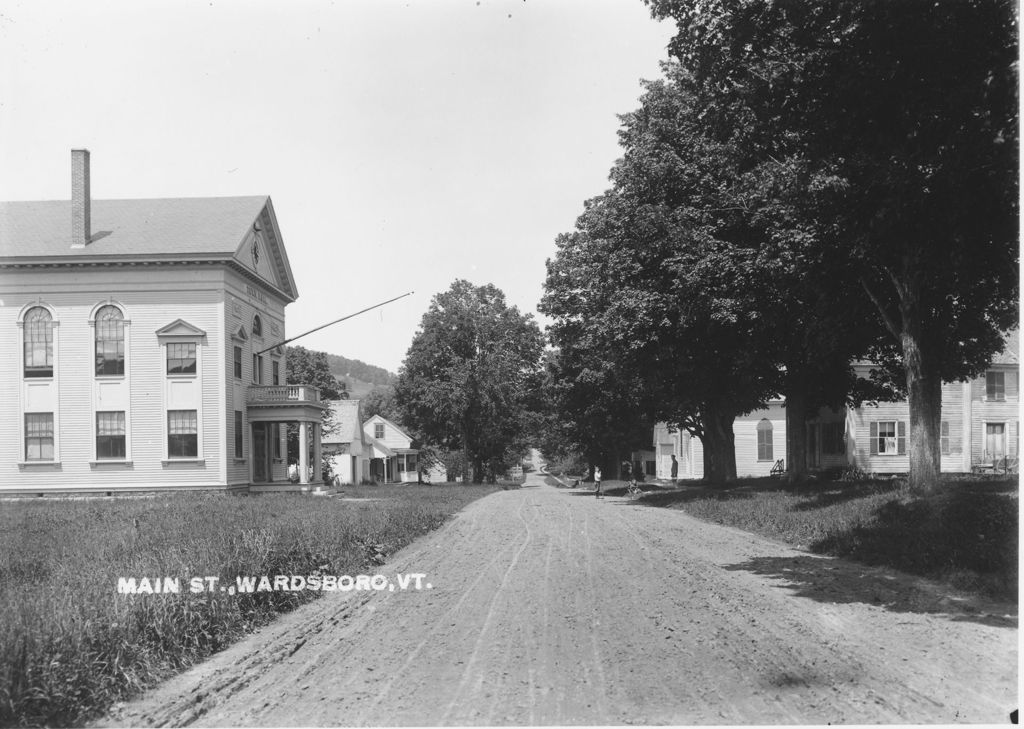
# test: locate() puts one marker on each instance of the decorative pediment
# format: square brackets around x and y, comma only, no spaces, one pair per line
[240,334]
[261,251]
[181,329]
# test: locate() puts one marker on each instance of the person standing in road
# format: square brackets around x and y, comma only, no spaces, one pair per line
[597,481]
[675,469]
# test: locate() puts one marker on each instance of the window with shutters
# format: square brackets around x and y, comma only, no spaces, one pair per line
[888,438]
[995,386]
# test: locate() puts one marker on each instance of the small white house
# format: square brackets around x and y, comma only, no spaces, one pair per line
[346,445]
[394,459]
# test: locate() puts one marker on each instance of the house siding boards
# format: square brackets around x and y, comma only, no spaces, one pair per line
[746,440]
[150,300]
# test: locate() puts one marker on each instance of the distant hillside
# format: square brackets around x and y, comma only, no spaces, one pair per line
[359,376]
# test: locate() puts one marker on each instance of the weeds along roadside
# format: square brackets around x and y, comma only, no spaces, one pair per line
[71,646]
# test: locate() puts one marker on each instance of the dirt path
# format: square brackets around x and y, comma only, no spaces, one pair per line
[550,607]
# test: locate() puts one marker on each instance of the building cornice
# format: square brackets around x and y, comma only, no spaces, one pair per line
[227,261]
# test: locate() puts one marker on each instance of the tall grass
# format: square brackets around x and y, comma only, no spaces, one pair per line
[70,645]
[965,533]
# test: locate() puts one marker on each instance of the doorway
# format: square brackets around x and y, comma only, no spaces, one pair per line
[261,453]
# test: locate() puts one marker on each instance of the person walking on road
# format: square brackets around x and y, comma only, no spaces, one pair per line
[597,481]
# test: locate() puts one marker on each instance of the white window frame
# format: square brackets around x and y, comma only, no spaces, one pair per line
[886,442]
[96,436]
[167,437]
[24,438]
[768,431]
[126,332]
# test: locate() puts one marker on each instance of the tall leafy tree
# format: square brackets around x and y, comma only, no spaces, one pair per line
[381,401]
[691,274]
[904,116]
[310,367]
[470,376]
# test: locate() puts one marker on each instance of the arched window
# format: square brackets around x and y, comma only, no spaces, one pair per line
[109,341]
[257,326]
[764,440]
[38,343]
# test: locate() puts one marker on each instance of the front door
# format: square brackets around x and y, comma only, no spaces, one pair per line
[259,453]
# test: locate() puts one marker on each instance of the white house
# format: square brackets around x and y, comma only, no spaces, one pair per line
[346,445]
[394,458]
[760,441]
[144,340]
[979,430]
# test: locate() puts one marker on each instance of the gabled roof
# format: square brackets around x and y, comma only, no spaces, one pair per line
[1011,351]
[164,229]
[381,419]
[346,418]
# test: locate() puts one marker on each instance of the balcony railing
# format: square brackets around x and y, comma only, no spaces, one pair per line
[282,394]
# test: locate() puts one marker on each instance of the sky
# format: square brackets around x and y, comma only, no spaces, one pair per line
[404,144]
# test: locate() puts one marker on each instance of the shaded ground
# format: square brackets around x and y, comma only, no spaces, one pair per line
[549,606]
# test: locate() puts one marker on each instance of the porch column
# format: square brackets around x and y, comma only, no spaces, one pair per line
[303,452]
[318,472]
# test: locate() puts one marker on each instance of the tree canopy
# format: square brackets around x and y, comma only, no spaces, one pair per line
[471,374]
[902,118]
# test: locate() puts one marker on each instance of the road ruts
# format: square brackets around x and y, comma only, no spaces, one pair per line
[551,607]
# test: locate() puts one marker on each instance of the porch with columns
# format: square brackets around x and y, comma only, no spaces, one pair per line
[279,405]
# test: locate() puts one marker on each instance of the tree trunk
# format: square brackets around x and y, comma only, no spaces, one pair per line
[924,391]
[719,447]
[796,431]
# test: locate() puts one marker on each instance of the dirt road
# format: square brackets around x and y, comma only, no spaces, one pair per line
[548,606]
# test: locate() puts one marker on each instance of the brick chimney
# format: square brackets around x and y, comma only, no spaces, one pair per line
[81,225]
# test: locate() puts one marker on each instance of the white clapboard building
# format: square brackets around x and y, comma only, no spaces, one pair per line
[143,345]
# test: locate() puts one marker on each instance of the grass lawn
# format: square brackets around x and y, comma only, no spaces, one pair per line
[963,534]
[70,645]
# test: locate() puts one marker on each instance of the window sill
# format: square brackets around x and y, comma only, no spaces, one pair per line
[181,376]
[191,461]
[111,462]
[239,461]
[31,464]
